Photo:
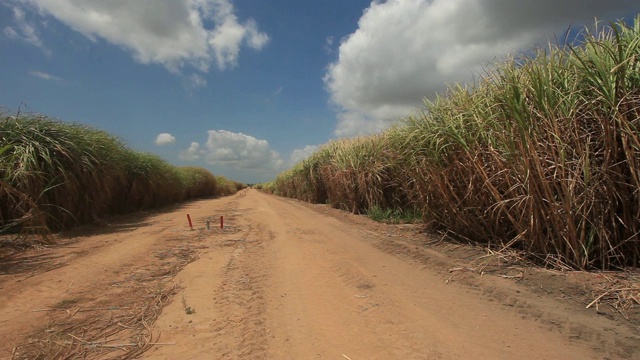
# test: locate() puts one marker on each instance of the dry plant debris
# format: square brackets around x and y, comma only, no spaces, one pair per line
[118,328]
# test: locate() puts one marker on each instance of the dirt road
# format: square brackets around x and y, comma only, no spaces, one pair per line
[287,280]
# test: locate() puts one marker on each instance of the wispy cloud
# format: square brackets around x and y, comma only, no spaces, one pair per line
[10,33]
[197,81]
[24,30]
[328,45]
[45,76]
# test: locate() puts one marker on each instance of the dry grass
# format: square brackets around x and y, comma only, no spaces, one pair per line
[117,326]
[541,155]
[115,332]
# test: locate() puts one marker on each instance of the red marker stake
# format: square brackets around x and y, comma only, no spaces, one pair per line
[190,224]
[221,223]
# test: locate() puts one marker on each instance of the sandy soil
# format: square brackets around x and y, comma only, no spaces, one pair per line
[287,280]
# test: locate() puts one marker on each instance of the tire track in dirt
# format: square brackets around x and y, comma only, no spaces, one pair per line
[240,300]
[335,305]
[225,290]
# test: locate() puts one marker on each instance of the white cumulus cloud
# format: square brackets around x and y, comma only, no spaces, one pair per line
[406,50]
[192,153]
[165,139]
[237,155]
[237,150]
[300,154]
[176,34]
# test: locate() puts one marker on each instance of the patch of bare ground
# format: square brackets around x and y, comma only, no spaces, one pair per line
[287,280]
[97,290]
[601,308]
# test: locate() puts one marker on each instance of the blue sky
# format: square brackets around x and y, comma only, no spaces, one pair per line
[246,88]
